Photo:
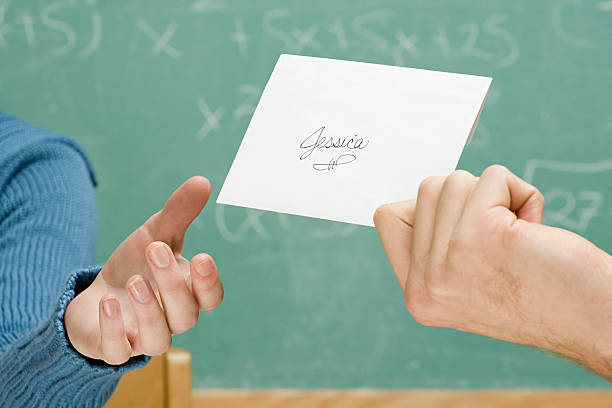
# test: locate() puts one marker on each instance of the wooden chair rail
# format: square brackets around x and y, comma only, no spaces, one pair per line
[404,399]
[166,383]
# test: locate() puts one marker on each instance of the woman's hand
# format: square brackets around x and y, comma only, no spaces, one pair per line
[147,291]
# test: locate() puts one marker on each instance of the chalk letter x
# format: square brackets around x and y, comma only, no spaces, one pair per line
[162,43]
[212,119]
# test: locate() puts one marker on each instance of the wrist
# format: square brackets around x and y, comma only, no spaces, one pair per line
[601,334]
[77,313]
[582,329]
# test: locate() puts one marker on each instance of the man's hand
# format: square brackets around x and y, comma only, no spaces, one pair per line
[471,254]
[147,291]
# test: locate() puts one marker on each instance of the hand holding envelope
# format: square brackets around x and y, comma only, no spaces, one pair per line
[336,139]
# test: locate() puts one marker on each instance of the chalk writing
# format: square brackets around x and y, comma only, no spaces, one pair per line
[304,39]
[28,27]
[247,224]
[472,29]
[378,30]
[207,5]
[4,27]
[59,25]
[360,27]
[562,215]
[247,106]
[211,119]
[573,210]
[336,28]
[558,13]
[368,30]
[404,44]
[160,42]
[251,222]
[605,5]
[442,41]
[96,23]
[336,229]
[239,36]
[492,25]
[273,32]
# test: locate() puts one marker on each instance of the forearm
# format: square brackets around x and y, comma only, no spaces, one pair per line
[47,229]
[596,354]
[575,299]
[48,221]
[43,369]
[471,254]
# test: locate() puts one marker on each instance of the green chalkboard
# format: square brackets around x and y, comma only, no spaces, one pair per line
[157,91]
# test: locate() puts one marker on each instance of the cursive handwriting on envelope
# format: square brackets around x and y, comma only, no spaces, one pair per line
[317,140]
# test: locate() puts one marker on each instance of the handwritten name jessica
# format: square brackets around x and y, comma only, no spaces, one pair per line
[316,140]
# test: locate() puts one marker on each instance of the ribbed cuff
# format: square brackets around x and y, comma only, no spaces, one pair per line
[43,369]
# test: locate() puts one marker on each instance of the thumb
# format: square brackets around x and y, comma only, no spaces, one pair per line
[183,206]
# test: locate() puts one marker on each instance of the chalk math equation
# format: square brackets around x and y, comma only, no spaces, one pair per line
[52,27]
[78,31]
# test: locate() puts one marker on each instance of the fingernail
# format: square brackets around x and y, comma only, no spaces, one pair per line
[159,256]
[139,290]
[203,268]
[109,306]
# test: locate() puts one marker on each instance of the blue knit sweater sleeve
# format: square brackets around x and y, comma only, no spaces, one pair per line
[47,239]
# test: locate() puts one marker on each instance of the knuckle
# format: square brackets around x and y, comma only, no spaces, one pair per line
[210,306]
[462,173]
[511,234]
[539,196]
[418,309]
[149,317]
[461,247]
[153,218]
[417,265]
[172,284]
[458,177]
[496,171]
[434,282]
[185,324]
[220,298]
[116,360]
[383,213]
[456,244]
[430,187]
[111,361]
[159,347]
[417,299]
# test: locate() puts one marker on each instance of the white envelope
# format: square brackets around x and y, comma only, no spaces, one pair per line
[336,139]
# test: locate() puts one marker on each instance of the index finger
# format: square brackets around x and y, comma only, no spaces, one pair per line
[498,187]
[394,223]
